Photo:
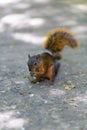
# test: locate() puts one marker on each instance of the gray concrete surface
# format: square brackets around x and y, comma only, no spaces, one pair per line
[27,106]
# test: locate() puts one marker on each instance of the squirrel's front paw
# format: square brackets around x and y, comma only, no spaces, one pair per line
[32,78]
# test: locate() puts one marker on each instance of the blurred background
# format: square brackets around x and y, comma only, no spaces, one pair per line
[24,24]
[23,27]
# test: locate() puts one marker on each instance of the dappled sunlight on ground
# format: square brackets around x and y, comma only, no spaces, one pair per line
[6,2]
[8,120]
[33,19]
[81,7]
[57,92]
[40,1]
[81,99]
[22,5]
[29,38]
[20,21]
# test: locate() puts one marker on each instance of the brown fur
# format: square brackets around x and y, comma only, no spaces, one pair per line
[58,38]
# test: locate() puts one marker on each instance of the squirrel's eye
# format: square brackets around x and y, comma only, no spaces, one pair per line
[30,69]
[35,63]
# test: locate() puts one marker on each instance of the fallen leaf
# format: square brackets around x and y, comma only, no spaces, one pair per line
[70,87]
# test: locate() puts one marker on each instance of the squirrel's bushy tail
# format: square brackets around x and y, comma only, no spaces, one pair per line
[58,38]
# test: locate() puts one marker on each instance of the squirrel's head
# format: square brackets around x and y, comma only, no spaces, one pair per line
[34,63]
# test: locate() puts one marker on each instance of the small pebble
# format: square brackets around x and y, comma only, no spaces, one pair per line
[31,95]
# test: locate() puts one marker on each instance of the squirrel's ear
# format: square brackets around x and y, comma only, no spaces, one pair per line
[29,56]
[38,56]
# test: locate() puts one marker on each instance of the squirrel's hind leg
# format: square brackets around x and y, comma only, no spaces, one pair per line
[51,74]
[53,70]
[57,66]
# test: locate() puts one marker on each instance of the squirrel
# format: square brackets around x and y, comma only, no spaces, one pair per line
[44,65]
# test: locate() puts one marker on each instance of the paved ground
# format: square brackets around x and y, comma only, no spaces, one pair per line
[26,106]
